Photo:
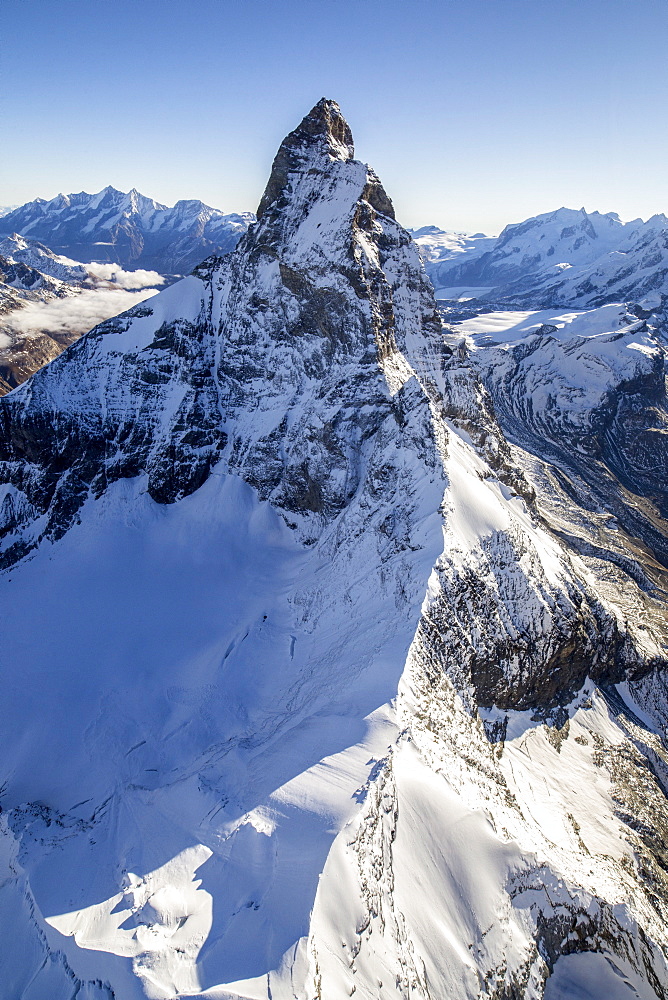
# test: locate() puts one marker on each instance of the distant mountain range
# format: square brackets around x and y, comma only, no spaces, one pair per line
[567,257]
[128,229]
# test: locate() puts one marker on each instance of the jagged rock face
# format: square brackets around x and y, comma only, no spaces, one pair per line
[42,261]
[20,275]
[292,315]
[324,126]
[128,229]
[314,724]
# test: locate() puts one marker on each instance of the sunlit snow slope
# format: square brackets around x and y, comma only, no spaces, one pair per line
[305,697]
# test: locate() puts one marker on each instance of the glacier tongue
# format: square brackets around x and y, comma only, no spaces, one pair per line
[311,707]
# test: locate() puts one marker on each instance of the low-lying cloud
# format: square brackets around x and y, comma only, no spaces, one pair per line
[125,279]
[77,313]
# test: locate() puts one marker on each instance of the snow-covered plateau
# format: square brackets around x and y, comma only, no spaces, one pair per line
[335,632]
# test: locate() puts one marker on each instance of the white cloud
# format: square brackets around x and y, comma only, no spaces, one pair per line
[125,279]
[75,314]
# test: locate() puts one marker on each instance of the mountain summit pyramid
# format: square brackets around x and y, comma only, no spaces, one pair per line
[324,129]
[305,696]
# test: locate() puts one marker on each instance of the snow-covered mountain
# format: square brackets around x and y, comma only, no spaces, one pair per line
[128,229]
[47,301]
[332,691]
[34,255]
[438,245]
[561,258]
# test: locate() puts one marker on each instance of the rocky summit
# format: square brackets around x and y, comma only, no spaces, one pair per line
[329,671]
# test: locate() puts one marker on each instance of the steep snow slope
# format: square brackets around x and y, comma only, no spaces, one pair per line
[128,229]
[561,258]
[316,690]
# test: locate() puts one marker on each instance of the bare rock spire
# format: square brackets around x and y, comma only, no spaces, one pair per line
[324,130]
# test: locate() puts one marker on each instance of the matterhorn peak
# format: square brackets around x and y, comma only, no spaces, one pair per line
[316,691]
[325,123]
[324,132]
[314,165]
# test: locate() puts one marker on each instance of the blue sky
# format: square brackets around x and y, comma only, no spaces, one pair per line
[475,113]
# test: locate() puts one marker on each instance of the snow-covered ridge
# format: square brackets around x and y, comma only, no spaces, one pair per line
[585,385]
[565,257]
[34,256]
[581,394]
[128,228]
[320,703]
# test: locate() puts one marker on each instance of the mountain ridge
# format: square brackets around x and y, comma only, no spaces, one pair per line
[127,228]
[586,259]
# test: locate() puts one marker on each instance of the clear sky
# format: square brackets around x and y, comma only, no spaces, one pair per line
[474,113]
